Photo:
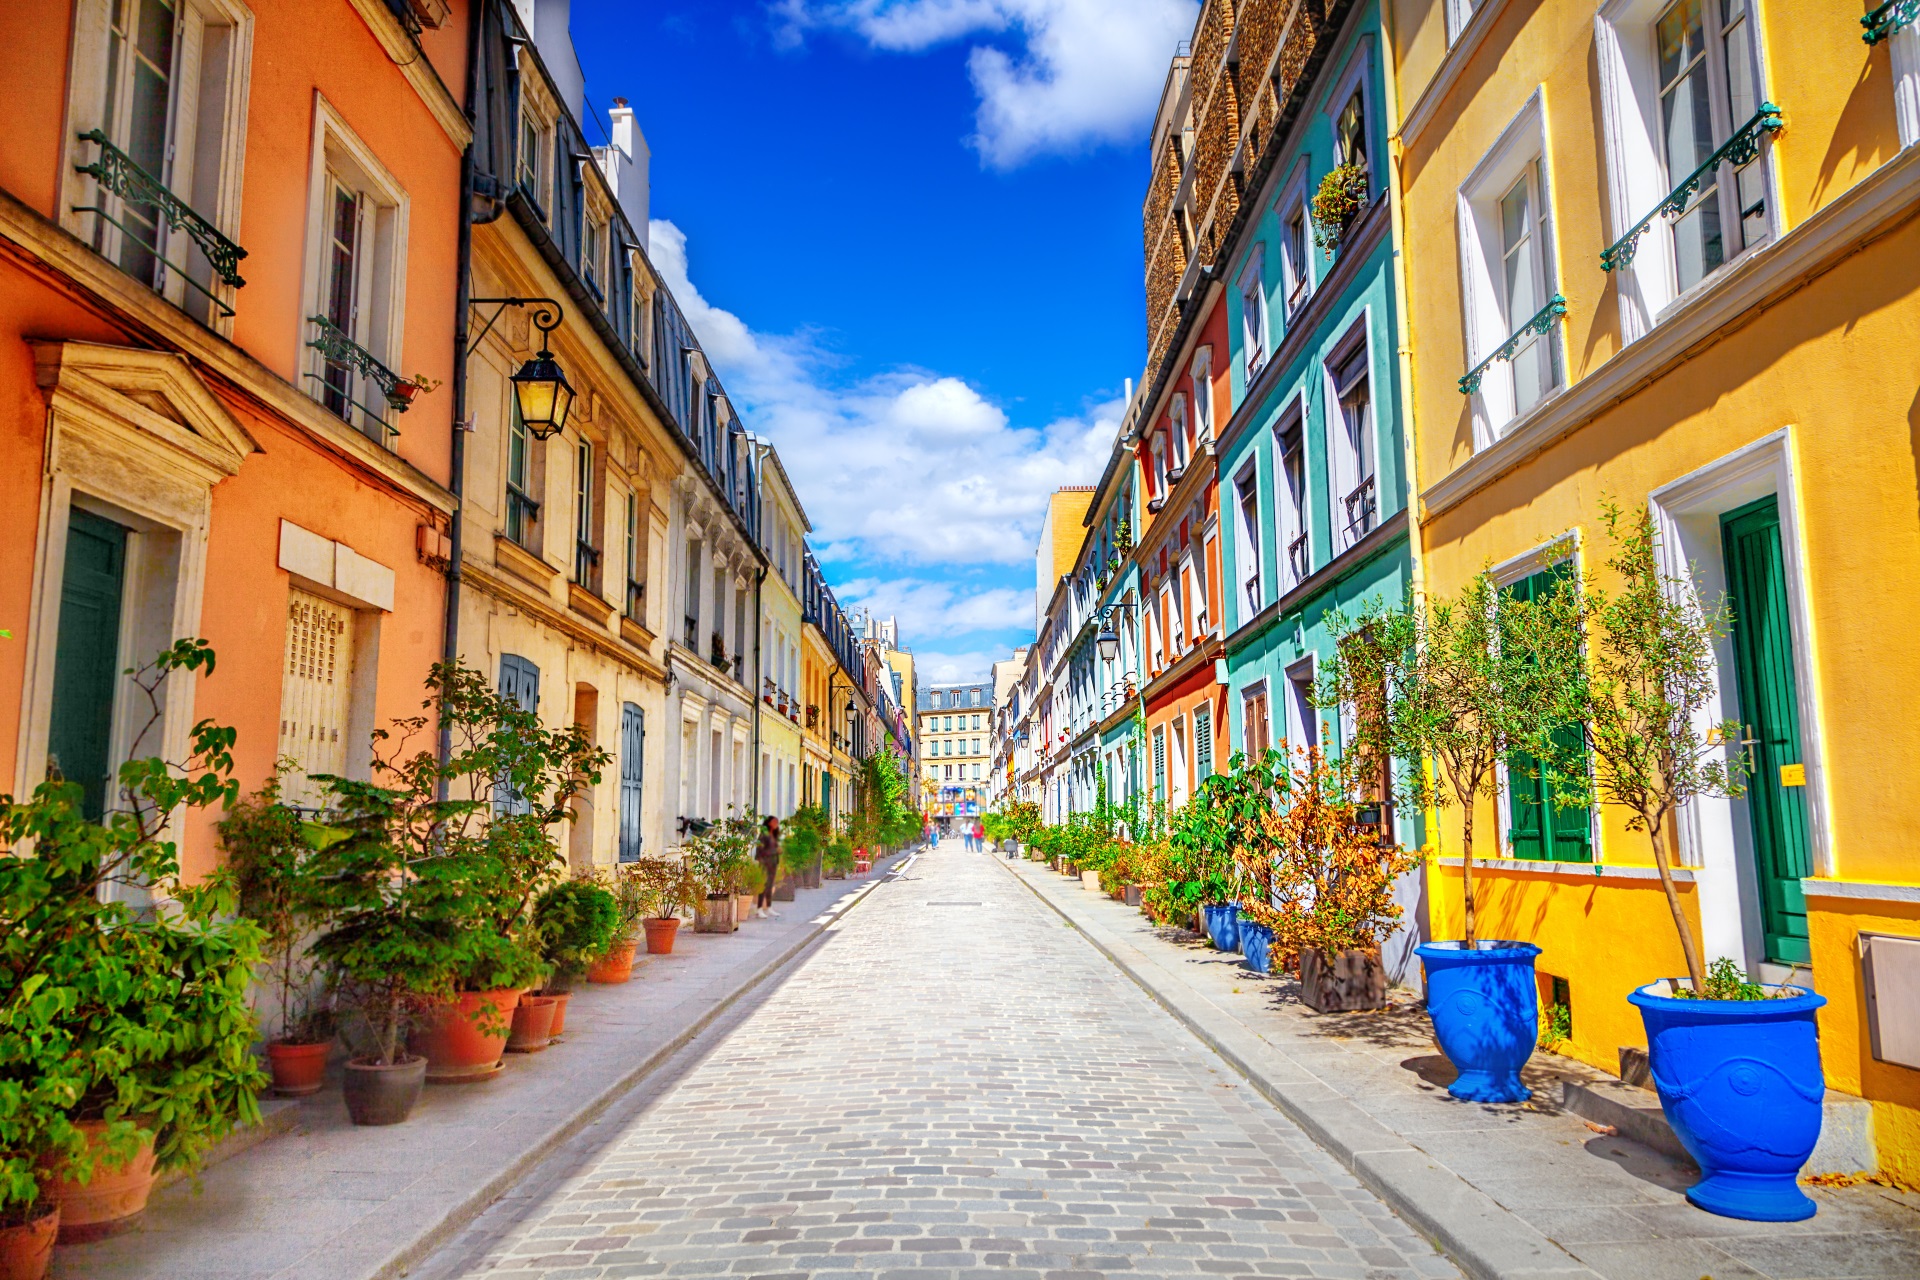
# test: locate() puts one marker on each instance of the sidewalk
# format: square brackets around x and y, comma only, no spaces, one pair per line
[327,1201]
[1522,1192]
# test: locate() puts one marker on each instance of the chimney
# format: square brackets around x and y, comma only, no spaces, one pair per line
[626,166]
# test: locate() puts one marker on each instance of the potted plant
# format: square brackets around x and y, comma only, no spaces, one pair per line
[1204,835]
[577,921]
[837,857]
[1463,684]
[1736,1063]
[267,848]
[1329,896]
[1338,201]
[630,906]
[803,838]
[715,856]
[667,887]
[126,1039]
[747,879]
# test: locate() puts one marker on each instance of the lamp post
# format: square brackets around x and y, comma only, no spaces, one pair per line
[540,389]
[1109,644]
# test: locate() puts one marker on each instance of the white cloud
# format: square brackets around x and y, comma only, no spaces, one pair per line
[1089,72]
[955,668]
[908,467]
[939,608]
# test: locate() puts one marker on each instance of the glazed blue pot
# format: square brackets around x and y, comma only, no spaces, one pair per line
[1485,1008]
[1256,944]
[1741,1084]
[1223,925]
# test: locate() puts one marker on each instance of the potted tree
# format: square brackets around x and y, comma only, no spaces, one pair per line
[630,908]
[576,921]
[125,1033]
[1462,684]
[667,887]
[268,855]
[803,837]
[1736,1063]
[1329,898]
[715,855]
[837,857]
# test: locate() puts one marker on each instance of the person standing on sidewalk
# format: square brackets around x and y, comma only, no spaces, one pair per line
[767,854]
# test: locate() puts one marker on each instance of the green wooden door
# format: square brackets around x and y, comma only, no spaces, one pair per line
[1537,826]
[1770,723]
[86,657]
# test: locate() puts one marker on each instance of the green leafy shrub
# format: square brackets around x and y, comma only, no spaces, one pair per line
[269,855]
[577,921]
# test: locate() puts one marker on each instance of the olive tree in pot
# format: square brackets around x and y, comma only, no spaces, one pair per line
[1736,1063]
[1462,684]
[1331,901]
[269,855]
[126,1035]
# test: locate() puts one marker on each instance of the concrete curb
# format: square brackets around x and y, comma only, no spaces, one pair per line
[476,1202]
[1486,1240]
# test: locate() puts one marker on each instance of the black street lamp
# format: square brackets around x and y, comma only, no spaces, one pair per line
[540,388]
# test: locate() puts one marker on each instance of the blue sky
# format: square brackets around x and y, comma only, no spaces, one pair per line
[908,233]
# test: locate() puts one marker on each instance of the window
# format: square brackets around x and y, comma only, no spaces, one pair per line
[1158,452]
[1177,432]
[1296,267]
[1177,775]
[536,158]
[1202,396]
[1203,741]
[949,774]
[691,634]
[1677,81]
[636,563]
[356,280]
[315,693]
[1355,501]
[948,724]
[1538,826]
[1159,762]
[1303,719]
[641,336]
[976,773]
[1253,314]
[976,722]
[593,252]
[1254,729]
[163,82]
[520,682]
[523,511]
[633,751]
[1524,281]
[586,556]
[1350,131]
[1247,537]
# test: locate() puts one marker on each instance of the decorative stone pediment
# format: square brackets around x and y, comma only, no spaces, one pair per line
[155,393]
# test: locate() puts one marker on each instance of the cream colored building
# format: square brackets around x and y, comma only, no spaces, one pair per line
[783,531]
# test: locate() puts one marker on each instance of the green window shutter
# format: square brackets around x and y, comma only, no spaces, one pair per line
[1159,764]
[1203,741]
[86,657]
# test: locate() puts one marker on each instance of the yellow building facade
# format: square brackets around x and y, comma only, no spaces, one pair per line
[1666,252]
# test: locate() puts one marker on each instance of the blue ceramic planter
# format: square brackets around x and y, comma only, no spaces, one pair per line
[1256,944]
[1486,1015]
[1223,925]
[1741,1084]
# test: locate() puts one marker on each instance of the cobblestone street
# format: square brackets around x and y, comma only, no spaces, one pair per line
[952,1083]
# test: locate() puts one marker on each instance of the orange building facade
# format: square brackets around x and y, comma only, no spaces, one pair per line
[227,303]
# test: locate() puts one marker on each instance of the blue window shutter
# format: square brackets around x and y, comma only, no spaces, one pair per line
[520,681]
[633,748]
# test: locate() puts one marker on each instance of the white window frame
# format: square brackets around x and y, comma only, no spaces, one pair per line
[1290,511]
[1354,79]
[1201,372]
[1303,718]
[1637,179]
[1343,463]
[1247,550]
[1485,313]
[596,231]
[1903,49]
[1177,432]
[1296,278]
[340,157]
[537,109]
[211,181]
[1256,334]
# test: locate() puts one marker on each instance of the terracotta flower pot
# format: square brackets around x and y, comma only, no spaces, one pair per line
[112,1201]
[560,999]
[532,1028]
[660,934]
[383,1094]
[464,1040]
[615,966]
[27,1247]
[742,908]
[298,1069]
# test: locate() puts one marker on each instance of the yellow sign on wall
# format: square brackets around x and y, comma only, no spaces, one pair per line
[1793,775]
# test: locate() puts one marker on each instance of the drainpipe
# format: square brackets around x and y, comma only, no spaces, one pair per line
[463,289]
[753,691]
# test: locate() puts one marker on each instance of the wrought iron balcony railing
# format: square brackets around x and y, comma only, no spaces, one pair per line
[1540,323]
[1739,149]
[146,196]
[344,363]
[522,513]
[691,633]
[586,558]
[636,600]
[1362,510]
[1297,558]
[1887,19]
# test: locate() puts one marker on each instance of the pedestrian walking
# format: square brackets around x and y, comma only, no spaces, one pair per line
[767,854]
